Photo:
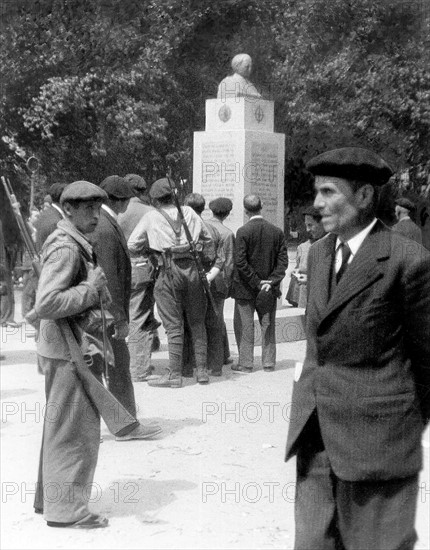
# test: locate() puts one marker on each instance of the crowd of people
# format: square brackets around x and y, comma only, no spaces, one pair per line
[360,401]
[109,255]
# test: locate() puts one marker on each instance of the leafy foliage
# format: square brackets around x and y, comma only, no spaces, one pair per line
[116,86]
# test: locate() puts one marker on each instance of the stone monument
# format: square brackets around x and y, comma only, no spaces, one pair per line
[237,154]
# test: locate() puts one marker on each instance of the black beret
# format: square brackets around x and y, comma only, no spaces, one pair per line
[312,211]
[405,203]
[136,182]
[160,188]
[221,205]
[117,188]
[82,191]
[265,301]
[351,163]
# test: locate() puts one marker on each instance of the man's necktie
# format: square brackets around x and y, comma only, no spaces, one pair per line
[346,253]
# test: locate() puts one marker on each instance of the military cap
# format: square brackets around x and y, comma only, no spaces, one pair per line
[312,211]
[160,188]
[405,203]
[82,191]
[351,163]
[136,182]
[117,188]
[221,205]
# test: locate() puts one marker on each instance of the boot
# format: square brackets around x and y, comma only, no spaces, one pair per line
[169,380]
[202,376]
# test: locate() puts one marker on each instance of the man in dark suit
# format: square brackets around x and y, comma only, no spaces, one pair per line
[261,259]
[361,401]
[112,254]
[405,225]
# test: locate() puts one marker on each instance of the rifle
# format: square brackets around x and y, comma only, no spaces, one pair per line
[22,225]
[193,248]
[110,409]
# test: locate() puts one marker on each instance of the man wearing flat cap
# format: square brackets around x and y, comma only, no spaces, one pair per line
[361,401]
[404,207]
[178,292]
[110,247]
[69,287]
[221,285]
[143,324]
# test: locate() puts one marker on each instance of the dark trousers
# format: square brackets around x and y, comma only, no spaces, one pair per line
[215,327]
[179,295]
[226,343]
[333,514]
[243,322]
[70,445]
[120,383]
[142,327]
[28,297]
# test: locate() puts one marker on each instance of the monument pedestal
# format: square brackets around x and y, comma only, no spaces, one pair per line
[239,153]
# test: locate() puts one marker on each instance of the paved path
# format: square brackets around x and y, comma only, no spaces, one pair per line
[215,478]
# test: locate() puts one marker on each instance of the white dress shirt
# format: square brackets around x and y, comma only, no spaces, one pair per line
[354,244]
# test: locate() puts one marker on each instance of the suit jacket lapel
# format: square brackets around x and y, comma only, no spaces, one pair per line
[321,287]
[364,269]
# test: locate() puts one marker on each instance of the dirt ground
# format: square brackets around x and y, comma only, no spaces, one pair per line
[215,477]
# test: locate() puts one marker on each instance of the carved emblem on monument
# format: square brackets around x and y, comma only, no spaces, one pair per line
[224,113]
[259,114]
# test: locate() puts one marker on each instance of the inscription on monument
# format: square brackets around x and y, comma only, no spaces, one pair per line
[262,173]
[220,171]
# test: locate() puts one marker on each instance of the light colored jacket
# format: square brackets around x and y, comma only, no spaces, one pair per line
[63,289]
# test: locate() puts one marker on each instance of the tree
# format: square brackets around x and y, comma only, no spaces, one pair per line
[94,88]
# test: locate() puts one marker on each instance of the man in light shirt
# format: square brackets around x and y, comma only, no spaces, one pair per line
[361,402]
[178,292]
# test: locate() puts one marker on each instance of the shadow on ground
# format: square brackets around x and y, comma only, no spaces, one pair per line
[141,498]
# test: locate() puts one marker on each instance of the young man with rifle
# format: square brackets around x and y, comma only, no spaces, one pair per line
[172,234]
[70,288]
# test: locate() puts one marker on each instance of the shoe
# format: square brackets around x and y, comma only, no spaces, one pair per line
[240,368]
[202,376]
[140,432]
[13,324]
[92,521]
[168,380]
[145,376]
[268,369]
[215,372]
[228,361]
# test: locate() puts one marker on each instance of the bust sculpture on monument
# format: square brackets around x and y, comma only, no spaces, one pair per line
[238,85]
